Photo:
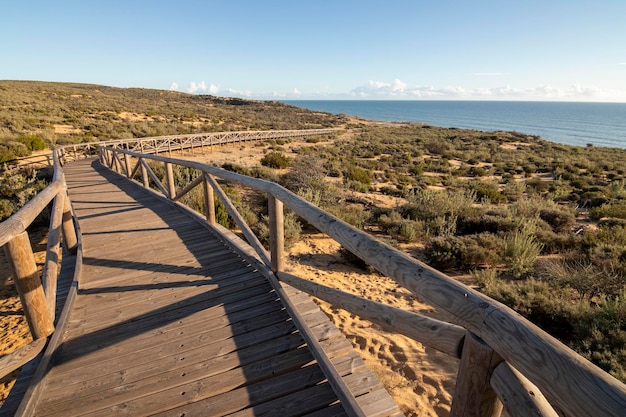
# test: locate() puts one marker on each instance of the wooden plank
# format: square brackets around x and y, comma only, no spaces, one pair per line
[119,323]
[238,399]
[72,377]
[112,274]
[191,366]
[95,301]
[335,410]
[153,398]
[295,404]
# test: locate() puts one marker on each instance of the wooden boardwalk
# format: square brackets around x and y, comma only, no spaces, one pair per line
[172,320]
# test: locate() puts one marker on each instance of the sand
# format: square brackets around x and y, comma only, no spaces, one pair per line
[421,380]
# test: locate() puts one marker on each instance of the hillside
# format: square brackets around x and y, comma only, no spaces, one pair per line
[64,112]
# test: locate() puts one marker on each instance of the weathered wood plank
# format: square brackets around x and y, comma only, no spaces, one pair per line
[295,404]
[70,377]
[122,324]
[127,295]
[190,366]
[238,399]
[156,397]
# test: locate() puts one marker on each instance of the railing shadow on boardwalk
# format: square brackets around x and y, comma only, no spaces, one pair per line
[250,308]
[504,358]
[111,335]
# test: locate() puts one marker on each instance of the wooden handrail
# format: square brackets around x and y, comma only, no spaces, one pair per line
[38,294]
[526,362]
[549,364]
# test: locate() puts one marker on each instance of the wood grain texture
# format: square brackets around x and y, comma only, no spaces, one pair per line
[473,394]
[519,396]
[15,359]
[26,278]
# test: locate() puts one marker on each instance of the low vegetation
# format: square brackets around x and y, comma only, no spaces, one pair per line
[540,226]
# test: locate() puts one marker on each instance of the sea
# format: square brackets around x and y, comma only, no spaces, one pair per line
[579,124]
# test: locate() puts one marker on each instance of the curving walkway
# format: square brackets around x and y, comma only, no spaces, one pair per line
[172,319]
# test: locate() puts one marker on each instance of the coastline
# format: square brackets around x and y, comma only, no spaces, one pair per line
[568,123]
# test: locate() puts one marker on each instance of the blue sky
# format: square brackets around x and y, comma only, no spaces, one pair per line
[486,50]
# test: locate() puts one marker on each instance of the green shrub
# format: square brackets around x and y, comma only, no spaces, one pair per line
[486,278]
[520,252]
[616,210]
[7,208]
[32,142]
[430,204]
[410,230]
[358,174]
[229,166]
[464,252]
[537,184]
[6,154]
[292,229]
[357,186]
[487,191]
[19,149]
[354,214]
[275,160]
[491,222]
[559,220]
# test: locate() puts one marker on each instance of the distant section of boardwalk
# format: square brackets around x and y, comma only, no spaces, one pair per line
[171,320]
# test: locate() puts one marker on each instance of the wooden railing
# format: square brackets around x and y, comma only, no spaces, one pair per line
[38,295]
[200,141]
[504,359]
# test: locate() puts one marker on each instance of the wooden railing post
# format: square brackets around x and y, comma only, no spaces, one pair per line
[69,233]
[24,269]
[144,174]
[473,395]
[277,233]
[171,187]
[127,163]
[209,200]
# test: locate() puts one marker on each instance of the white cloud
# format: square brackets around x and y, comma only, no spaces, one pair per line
[296,91]
[174,86]
[398,85]
[622,63]
[201,87]
[239,93]
[380,88]
[400,90]
[196,87]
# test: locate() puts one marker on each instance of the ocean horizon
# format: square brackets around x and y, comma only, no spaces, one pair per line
[570,123]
